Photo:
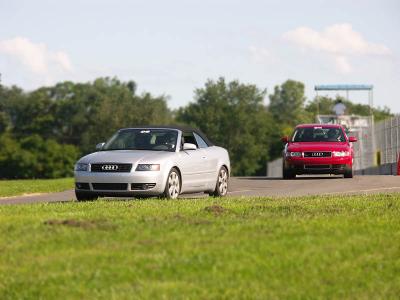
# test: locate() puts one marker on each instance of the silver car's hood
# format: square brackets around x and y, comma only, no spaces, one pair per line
[126,156]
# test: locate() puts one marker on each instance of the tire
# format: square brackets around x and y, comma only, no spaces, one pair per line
[348,172]
[173,185]
[288,174]
[85,196]
[221,186]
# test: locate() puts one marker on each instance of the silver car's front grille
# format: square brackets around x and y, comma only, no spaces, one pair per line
[111,168]
[110,186]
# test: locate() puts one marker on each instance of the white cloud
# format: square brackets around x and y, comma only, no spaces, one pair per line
[261,55]
[62,59]
[36,56]
[339,41]
[342,64]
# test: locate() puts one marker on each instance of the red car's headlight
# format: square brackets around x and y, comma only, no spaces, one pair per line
[340,153]
[293,154]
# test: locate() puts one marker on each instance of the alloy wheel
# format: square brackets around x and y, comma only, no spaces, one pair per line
[173,185]
[223,182]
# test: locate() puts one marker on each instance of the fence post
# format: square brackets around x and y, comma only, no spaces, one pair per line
[386,144]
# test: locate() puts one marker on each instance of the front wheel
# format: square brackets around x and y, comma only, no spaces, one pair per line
[173,185]
[288,174]
[348,172]
[85,196]
[221,186]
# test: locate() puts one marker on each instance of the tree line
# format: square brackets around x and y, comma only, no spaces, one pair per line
[44,131]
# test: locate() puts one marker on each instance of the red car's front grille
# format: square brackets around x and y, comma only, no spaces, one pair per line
[317,154]
[317,167]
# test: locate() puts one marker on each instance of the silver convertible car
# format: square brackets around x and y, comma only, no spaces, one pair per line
[153,161]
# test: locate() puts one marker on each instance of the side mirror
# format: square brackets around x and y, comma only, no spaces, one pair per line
[285,139]
[100,146]
[352,139]
[189,146]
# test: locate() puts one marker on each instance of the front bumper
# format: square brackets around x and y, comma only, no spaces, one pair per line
[121,184]
[325,165]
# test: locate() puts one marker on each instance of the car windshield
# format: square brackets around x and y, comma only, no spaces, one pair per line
[318,134]
[143,139]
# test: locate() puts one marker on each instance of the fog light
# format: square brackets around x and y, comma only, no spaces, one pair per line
[82,186]
[142,186]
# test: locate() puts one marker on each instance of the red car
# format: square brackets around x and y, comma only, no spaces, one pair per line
[318,149]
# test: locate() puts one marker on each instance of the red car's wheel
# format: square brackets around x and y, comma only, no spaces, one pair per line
[288,174]
[348,172]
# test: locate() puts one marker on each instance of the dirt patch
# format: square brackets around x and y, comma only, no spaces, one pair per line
[86,224]
[215,209]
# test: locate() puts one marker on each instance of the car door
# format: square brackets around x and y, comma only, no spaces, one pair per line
[210,160]
[192,164]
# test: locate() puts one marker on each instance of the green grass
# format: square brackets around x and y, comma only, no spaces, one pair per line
[241,248]
[31,186]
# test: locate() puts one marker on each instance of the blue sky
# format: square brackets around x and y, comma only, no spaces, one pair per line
[172,47]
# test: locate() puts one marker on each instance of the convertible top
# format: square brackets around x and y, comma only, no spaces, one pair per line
[181,128]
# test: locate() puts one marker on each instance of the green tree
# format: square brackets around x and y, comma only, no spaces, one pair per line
[44,131]
[34,157]
[287,109]
[325,104]
[10,106]
[81,114]
[232,115]
[287,104]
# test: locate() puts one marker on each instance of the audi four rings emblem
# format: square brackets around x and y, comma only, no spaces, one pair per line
[109,167]
[317,154]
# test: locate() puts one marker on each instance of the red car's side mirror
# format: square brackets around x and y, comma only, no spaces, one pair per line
[352,139]
[285,139]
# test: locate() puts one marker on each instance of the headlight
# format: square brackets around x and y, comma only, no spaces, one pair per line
[293,154]
[81,167]
[148,167]
[340,153]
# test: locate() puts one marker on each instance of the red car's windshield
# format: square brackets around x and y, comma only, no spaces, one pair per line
[318,134]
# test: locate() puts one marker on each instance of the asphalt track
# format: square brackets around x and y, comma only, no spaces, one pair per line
[264,186]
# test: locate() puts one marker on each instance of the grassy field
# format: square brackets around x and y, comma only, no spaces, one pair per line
[30,186]
[235,248]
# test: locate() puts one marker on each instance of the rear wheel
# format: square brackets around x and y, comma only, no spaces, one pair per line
[221,186]
[84,196]
[173,185]
[348,172]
